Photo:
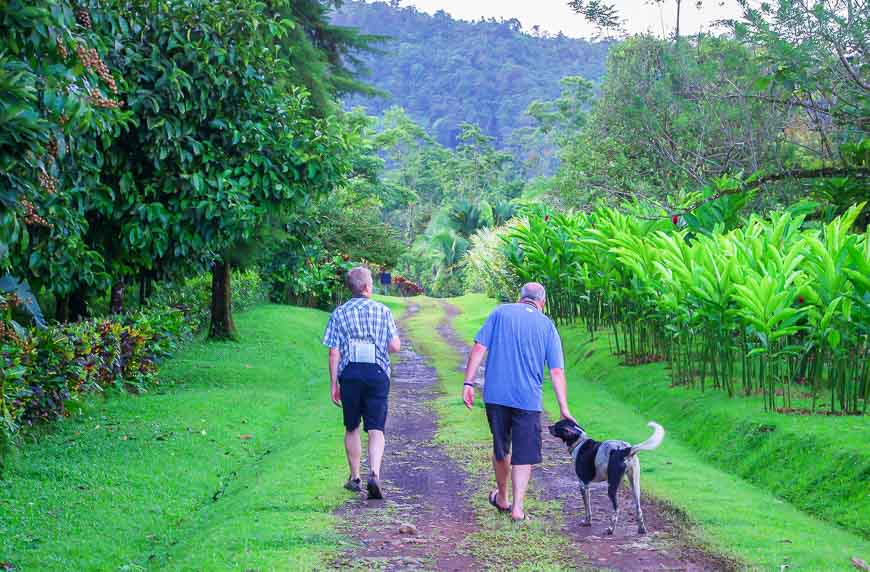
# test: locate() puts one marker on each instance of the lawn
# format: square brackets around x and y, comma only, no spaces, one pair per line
[698,470]
[235,464]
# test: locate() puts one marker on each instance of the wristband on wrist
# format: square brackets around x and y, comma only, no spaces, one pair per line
[468,384]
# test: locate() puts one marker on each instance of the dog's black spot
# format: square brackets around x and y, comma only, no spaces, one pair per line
[616,467]
[585,463]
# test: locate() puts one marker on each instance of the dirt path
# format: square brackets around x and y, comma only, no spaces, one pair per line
[663,548]
[422,523]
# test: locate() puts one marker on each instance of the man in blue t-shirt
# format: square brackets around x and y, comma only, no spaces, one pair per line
[519,340]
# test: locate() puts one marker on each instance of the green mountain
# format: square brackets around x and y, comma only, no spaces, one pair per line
[445,72]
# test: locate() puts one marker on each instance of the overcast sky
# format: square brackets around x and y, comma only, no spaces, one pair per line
[555,16]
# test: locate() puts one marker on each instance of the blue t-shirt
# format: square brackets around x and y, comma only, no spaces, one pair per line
[520,340]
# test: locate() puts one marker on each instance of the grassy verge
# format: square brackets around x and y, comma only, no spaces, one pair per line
[819,464]
[711,442]
[234,464]
[536,545]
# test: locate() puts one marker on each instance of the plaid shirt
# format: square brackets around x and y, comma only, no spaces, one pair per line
[361,318]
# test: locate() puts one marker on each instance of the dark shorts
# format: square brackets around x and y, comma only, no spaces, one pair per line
[364,391]
[515,432]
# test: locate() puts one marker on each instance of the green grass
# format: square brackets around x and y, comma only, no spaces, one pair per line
[712,441]
[819,464]
[165,481]
[475,308]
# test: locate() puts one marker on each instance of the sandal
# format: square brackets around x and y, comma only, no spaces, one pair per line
[492,500]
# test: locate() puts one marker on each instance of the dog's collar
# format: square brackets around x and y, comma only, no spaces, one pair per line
[576,446]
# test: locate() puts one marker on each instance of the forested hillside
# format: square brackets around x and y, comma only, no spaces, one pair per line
[445,72]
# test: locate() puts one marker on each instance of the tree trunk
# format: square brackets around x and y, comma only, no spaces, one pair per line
[116,299]
[222,326]
[61,309]
[78,305]
[145,287]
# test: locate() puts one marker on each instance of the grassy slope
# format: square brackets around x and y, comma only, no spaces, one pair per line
[820,464]
[731,515]
[132,481]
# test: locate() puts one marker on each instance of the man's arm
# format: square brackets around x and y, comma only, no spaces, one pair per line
[335,390]
[560,388]
[474,361]
[395,345]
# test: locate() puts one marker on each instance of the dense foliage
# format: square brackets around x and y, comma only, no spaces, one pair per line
[773,307]
[776,106]
[155,140]
[447,72]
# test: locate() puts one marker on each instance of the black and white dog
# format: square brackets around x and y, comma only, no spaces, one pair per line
[610,461]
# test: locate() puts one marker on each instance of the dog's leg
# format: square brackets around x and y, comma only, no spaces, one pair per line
[611,492]
[634,482]
[584,489]
[616,466]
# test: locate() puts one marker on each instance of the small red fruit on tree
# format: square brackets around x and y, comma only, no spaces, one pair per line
[675,219]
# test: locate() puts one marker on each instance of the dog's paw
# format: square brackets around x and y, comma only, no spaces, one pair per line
[641,529]
[609,532]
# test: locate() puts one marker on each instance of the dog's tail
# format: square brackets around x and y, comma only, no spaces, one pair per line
[653,442]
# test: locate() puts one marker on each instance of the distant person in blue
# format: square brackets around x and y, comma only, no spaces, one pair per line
[386,280]
[518,340]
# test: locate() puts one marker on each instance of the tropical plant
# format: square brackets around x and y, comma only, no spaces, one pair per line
[772,307]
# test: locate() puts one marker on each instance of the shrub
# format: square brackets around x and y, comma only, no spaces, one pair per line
[42,370]
[486,267]
[313,282]
[193,296]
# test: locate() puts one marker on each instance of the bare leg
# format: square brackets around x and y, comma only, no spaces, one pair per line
[376,452]
[520,475]
[634,482]
[588,520]
[502,474]
[353,448]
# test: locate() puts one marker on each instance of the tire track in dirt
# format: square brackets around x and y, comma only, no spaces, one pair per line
[426,515]
[665,547]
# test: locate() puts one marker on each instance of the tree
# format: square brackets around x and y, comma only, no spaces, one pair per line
[222,141]
[57,101]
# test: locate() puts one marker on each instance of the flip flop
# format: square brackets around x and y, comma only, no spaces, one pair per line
[492,500]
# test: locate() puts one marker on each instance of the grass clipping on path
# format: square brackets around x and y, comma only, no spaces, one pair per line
[534,545]
[236,463]
[727,513]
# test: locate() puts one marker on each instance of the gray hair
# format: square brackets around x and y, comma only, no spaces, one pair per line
[533,291]
[358,279]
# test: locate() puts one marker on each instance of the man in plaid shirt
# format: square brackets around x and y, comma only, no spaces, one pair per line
[360,335]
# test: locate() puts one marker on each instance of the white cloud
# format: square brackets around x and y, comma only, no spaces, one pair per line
[555,15]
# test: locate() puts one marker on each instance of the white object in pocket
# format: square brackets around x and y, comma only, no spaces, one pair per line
[362,351]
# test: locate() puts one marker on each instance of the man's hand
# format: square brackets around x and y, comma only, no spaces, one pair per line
[565,414]
[468,396]
[336,394]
